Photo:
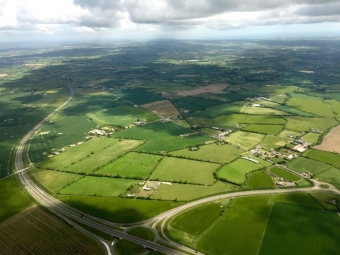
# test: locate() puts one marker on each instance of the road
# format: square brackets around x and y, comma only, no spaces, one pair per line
[66,212]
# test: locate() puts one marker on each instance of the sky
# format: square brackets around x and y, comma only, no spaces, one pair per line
[104,20]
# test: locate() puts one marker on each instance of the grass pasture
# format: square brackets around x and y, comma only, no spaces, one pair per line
[311,137]
[261,111]
[319,238]
[102,157]
[331,176]
[183,170]
[313,106]
[13,198]
[55,180]
[123,115]
[245,140]
[119,209]
[132,164]
[123,247]
[219,110]
[284,174]
[302,164]
[294,111]
[236,171]
[305,124]
[141,232]
[162,137]
[187,192]
[324,156]
[263,129]
[212,152]
[100,186]
[31,232]
[275,141]
[259,179]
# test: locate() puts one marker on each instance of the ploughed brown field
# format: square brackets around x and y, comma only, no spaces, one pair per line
[331,142]
[162,108]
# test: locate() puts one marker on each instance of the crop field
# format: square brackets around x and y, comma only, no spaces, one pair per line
[324,156]
[162,108]
[275,141]
[321,237]
[305,124]
[162,137]
[132,165]
[245,140]
[96,160]
[311,137]
[55,180]
[331,141]
[100,186]
[212,152]
[236,171]
[187,192]
[77,153]
[316,107]
[183,170]
[302,164]
[58,134]
[284,174]
[119,209]
[263,129]
[245,217]
[13,198]
[261,110]
[216,111]
[259,179]
[123,115]
[332,176]
[31,232]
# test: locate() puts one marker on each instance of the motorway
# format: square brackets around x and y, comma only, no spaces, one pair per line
[67,213]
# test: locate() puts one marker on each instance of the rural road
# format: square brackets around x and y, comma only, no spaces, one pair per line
[66,212]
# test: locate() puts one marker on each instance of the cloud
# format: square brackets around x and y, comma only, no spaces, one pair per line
[155,15]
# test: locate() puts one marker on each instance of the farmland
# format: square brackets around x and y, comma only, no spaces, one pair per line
[212,152]
[284,174]
[187,171]
[244,140]
[259,179]
[331,141]
[263,129]
[32,230]
[303,164]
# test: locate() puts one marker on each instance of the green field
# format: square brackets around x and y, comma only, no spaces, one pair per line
[123,247]
[119,209]
[55,180]
[187,192]
[186,171]
[216,111]
[236,171]
[78,153]
[324,156]
[314,232]
[261,111]
[316,107]
[60,132]
[123,115]
[305,124]
[245,140]
[259,179]
[247,217]
[142,232]
[331,176]
[285,133]
[311,137]
[302,164]
[100,186]
[212,152]
[162,137]
[263,119]
[132,164]
[275,141]
[263,129]
[284,174]
[13,198]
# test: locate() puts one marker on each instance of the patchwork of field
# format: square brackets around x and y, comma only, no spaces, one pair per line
[163,137]
[324,156]
[275,141]
[185,171]
[163,108]
[214,89]
[331,142]
[284,174]
[305,124]
[236,171]
[245,140]
[261,111]
[216,111]
[312,105]
[212,152]
[263,129]
[31,232]
[261,219]
[123,115]
[131,165]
